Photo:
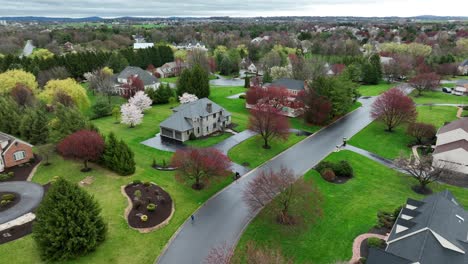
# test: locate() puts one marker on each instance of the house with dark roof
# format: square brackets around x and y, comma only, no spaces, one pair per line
[427,232]
[200,118]
[293,86]
[13,151]
[452,146]
[148,79]
[171,69]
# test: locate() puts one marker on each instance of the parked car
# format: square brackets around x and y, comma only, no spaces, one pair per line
[447,90]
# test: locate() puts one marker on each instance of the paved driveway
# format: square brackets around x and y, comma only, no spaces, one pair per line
[31,195]
[224,216]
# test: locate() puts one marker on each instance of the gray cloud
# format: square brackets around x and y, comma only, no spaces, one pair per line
[151,8]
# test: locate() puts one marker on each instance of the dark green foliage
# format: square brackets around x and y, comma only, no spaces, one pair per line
[101,108]
[339,90]
[5,176]
[161,95]
[67,121]
[10,116]
[68,223]
[117,62]
[247,82]
[324,164]
[118,157]
[136,182]
[375,242]
[8,197]
[192,137]
[387,219]
[242,96]
[267,77]
[341,168]
[375,62]
[34,126]
[194,81]
[370,74]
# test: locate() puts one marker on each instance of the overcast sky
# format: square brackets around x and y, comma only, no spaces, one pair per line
[153,8]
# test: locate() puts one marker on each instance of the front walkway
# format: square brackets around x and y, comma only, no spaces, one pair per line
[374,157]
[357,245]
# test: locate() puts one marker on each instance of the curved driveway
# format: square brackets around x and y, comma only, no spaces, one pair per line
[31,195]
[224,216]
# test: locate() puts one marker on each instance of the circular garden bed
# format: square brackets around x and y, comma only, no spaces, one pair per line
[150,207]
[335,172]
[8,200]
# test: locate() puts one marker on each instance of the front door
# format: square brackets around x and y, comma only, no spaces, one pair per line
[2,167]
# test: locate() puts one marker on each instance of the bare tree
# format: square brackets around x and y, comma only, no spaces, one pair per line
[424,170]
[282,184]
[101,81]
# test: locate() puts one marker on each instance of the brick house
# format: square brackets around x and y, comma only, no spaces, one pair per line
[13,151]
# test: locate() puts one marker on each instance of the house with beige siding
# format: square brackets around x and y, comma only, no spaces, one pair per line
[200,118]
[452,146]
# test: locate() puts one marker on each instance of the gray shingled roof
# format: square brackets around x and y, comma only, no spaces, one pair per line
[462,143]
[435,227]
[291,84]
[460,123]
[464,63]
[378,256]
[146,77]
[179,119]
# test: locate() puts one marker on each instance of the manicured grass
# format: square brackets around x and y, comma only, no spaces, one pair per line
[349,210]
[207,142]
[374,90]
[299,123]
[93,97]
[375,139]
[240,115]
[169,80]
[449,85]
[437,97]
[123,245]
[251,150]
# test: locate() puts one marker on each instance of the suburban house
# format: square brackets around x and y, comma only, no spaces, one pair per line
[200,118]
[149,80]
[252,68]
[293,86]
[171,69]
[28,49]
[452,146]
[463,67]
[427,232]
[191,46]
[13,151]
[140,43]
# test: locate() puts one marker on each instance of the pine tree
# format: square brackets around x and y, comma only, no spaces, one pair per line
[10,116]
[267,77]
[39,128]
[118,157]
[184,82]
[67,120]
[109,151]
[68,223]
[25,131]
[200,82]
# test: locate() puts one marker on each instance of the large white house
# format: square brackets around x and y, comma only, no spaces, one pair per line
[200,118]
[452,146]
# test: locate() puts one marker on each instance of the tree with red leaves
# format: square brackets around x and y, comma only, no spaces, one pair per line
[292,197]
[447,69]
[85,145]
[133,85]
[266,120]
[425,81]
[272,95]
[318,109]
[199,165]
[338,68]
[393,108]
[421,131]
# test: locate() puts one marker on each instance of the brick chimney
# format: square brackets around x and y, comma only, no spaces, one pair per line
[209,107]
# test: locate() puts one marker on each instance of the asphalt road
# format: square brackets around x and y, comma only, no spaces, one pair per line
[30,197]
[223,218]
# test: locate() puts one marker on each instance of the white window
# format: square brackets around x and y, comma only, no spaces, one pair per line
[19,155]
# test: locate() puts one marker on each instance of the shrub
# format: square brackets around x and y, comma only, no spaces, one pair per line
[192,136]
[136,182]
[144,218]
[147,183]
[242,96]
[4,202]
[11,174]
[8,197]
[137,194]
[154,163]
[328,175]
[344,169]
[385,219]
[151,207]
[375,242]
[5,176]
[172,100]
[362,260]
[101,108]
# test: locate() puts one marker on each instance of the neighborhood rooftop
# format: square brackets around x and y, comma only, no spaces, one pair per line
[146,77]
[290,84]
[457,124]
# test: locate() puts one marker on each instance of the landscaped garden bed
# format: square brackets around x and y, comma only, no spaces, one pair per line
[21,172]
[8,200]
[150,206]
[335,172]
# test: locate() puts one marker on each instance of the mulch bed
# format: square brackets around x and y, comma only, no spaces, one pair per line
[364,249]
[148,195]
[341,180]
[12,203]
[21,172]
[380,231]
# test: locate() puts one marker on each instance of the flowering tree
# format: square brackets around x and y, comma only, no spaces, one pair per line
[199,164]
[266,120]
[425,81]
[393,108]
[282,184]
[133,85]
[141,101]
[130,115]
[187,98]
[85,145]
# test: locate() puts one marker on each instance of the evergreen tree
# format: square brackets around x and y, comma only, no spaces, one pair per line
[370,74]
[66,121]
[267,77]
[117,62]
[200,82]
[375,62]
[27,119]
[10,116]
[184,82]
[68,223]
[118,157]
[39,128]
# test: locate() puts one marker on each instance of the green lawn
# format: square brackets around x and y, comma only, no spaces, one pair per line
[169,79]
[123,245]
[437,97]
[93,97]
[374,90]
[207,142]
[349,210]
[251,150]
[375,139]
